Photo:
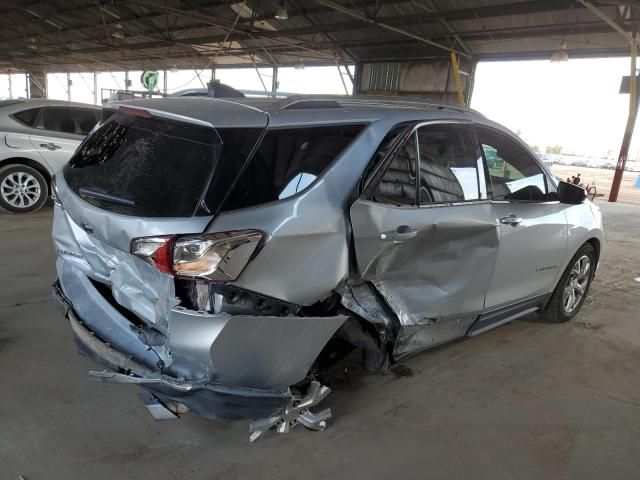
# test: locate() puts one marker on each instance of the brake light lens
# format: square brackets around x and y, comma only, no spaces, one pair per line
[135,112]
[213,257]
[156,251]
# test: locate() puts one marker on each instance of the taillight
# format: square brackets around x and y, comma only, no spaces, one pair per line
[156,251]
[214,257]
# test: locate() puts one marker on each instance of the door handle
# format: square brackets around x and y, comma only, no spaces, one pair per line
[399,235]
[50,146]
[511,219]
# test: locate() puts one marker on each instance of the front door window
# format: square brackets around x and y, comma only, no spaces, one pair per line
[514,174]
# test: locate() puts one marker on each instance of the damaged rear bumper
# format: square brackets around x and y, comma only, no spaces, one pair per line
[209,400]
[229,367]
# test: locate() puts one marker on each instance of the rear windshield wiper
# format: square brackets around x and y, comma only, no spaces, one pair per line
[107,197]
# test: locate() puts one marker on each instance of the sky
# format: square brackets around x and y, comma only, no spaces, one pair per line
[575,104]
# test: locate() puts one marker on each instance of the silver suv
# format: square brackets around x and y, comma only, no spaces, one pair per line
[223,255]
[37,137]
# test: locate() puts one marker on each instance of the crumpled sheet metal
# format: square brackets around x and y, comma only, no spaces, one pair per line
[436,283]
[135,284]
[249,351]
[245,351]
[363,300]
[453,277]
[99,316]
[452,270]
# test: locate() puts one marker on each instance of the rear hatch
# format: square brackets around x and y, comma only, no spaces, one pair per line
[142,162]
[147,172]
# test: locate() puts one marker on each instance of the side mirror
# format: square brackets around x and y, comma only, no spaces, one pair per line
[571,194]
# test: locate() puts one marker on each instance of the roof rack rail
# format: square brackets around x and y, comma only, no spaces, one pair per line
[341,101]
[411,102]
[312,103]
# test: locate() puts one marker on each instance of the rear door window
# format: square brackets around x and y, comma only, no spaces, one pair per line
[150,167]
[398,183]
[450,169]
[287,161]
[27,117]
[72,120]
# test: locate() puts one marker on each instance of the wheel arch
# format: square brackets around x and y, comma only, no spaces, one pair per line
[595,243]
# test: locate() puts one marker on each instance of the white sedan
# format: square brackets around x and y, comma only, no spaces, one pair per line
[37,137]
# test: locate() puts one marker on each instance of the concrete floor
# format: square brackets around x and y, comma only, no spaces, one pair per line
[525,401]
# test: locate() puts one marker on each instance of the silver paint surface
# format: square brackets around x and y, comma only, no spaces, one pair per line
[435,282]
[243,351]
[540,239]
[462,262]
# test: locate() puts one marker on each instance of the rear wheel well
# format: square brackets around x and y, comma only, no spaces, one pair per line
[30,163]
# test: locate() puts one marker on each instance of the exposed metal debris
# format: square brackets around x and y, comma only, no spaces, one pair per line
[157,410]
[363,300]
[296,412]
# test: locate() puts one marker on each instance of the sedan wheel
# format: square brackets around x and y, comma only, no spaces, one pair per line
[22,189]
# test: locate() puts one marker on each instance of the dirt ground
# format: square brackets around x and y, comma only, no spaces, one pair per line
[629,193]
[527,400]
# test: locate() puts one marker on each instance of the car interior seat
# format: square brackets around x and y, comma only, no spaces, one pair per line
[398,184]
[67,125]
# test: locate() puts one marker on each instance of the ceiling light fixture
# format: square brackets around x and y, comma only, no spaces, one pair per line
[560,55]
[299,65]
[117,34]
[281,13]
[173,69]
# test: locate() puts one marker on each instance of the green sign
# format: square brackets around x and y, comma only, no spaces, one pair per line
[149,80]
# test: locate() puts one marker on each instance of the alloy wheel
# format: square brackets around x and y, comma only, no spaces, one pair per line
[20,190]
[576,285]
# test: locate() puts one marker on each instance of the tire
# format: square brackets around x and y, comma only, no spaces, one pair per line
[23,189]
[561,307]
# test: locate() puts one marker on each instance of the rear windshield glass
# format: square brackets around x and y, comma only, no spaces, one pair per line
[148,167]
[287,161]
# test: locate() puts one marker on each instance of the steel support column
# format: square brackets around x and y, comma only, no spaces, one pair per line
[274,81]
[628,131]
[96,96]
[36,84]
[357,79]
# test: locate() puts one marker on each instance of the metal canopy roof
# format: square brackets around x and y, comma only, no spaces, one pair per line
[80,35]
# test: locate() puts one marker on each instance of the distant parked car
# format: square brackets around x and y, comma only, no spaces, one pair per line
[546,160]
[37,137]
[581,162]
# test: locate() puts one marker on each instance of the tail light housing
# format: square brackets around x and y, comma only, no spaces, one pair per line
[216,257]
